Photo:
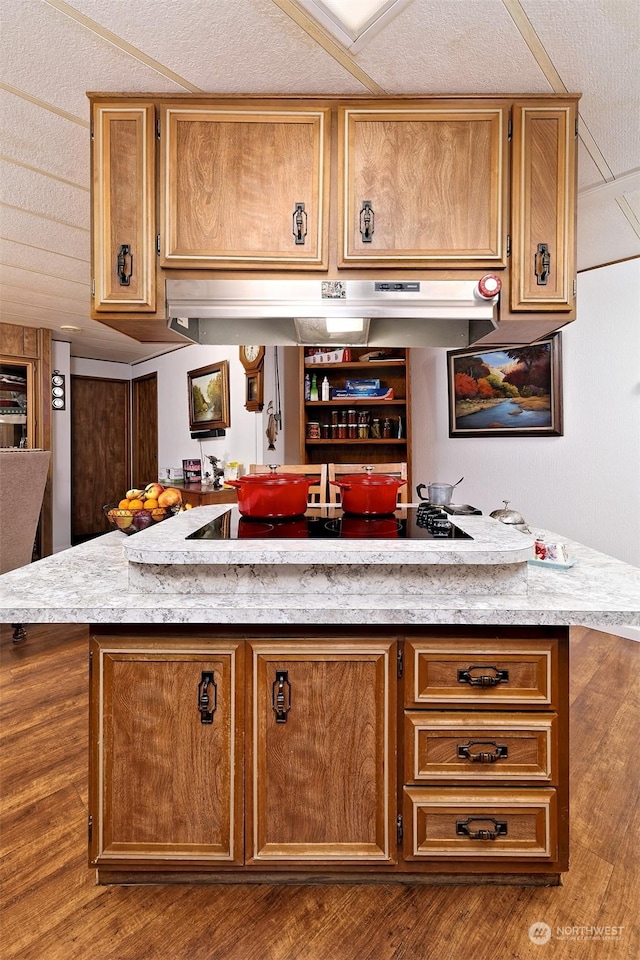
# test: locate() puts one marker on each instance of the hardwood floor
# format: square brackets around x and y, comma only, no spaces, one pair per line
[52,908]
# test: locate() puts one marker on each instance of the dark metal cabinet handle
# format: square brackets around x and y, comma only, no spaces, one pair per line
[125,264]
[299,223]
[484,679]
[207,696]
[484,756]
[542,264]
[367,221]
[464,830]
[281,696]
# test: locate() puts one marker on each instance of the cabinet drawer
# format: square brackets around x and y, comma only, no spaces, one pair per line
[488,672]
[480,824]
[485,747]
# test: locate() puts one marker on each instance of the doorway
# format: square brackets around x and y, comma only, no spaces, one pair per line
[144,429]
[100,452]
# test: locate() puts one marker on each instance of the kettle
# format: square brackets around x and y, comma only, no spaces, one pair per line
[511,517]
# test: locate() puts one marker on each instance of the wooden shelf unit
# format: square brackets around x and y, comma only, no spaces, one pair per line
[392,372]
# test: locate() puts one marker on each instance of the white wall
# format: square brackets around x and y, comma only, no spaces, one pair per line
[245,439]
[584,485]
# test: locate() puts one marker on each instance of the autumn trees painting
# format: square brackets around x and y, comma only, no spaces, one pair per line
[509,390]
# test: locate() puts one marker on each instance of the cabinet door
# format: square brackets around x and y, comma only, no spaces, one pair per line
[124,208]
[543,202]
[423,186]
[321,779]
[166,761]
[244,188]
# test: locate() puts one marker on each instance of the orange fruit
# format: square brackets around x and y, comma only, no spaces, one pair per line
[136,505]
[150,503]
[158,514]
[124,504]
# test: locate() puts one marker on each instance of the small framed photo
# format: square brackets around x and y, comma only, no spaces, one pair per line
[209,397]
[510,391]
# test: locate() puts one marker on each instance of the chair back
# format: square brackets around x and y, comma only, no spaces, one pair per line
[338,470]
[317,490]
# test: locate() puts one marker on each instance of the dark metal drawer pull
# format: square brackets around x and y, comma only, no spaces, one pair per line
[485,679]
[464,751]
[542,264]
[207,703]
[124,274]
[281,696]
[367,221]
[299,223]
[463,829]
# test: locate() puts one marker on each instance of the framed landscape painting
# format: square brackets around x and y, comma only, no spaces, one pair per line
[512,391]
[209,396]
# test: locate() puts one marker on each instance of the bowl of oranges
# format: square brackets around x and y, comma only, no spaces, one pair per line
[139,509]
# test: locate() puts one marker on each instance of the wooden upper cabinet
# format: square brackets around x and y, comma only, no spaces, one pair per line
[423,186]
[543,207]
[124,216]
[244,187]
[321,781]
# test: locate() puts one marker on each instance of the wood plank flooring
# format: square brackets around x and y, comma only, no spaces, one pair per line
[52,908]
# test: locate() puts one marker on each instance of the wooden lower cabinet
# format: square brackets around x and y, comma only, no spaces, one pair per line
[273,754]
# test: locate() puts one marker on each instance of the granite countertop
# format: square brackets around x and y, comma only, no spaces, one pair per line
[493,543]
[90,584]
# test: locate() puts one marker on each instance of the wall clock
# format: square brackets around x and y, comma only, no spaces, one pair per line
[252,359]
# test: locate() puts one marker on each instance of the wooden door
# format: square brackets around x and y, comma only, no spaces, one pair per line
[100,445]
[544,207]
[423,185]
[321,759]
[166,762]
[144,429]
[232,182]
[124,221]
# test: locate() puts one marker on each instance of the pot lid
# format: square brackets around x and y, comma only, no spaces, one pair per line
[377,479]
[274,479]
[507,516]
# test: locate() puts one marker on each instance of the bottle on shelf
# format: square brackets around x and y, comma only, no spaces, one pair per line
[326,390]
[307,386]
[313,393]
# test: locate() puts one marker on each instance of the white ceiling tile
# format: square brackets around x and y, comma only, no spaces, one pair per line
[25,279]
[13,297]
[595,46]
[42,261]
[45,140]
[602,226]
[588,173]
[633,199]
[230,46]
[33,231]
[56,59]
[452,47]
[43,195]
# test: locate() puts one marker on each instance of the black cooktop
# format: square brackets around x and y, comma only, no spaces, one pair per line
[331,523]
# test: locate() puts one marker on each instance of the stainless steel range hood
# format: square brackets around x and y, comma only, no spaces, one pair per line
[410,313]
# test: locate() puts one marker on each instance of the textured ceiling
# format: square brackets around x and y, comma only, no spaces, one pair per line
[52,52]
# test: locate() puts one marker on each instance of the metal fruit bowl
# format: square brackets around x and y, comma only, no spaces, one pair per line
[132,521]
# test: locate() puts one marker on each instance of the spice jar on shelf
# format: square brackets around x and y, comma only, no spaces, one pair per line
[386,428]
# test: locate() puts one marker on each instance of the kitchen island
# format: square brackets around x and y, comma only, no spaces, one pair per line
[342,710]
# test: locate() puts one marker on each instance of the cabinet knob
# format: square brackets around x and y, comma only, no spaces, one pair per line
[464,830]
[542,264]
[281,696]
[484,756]
[207,697]
[299,223]
[483,679]
[125,264]
[367,221]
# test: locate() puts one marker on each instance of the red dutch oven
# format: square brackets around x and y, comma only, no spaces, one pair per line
[373,493]
[272,496]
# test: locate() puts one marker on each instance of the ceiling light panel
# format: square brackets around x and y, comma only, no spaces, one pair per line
[353,22]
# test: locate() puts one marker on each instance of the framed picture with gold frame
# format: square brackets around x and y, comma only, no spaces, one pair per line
[209,397]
